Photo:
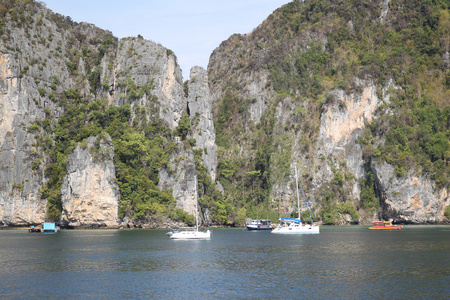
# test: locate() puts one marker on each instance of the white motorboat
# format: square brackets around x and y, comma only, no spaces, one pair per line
[296,226]
[260,224]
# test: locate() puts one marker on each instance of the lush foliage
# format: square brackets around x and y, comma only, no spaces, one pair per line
[139,153]
[307,49]
[310,48]
[417,138]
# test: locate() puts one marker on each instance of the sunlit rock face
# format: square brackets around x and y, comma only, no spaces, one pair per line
[20,204]
[182,179]
[410,199]
[146,64]
[35,56]
[320,138]
[90,195]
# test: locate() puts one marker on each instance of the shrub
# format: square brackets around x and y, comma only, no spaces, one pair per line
[447,212]
[35,165]
[33,128]
[348,208]
[41,92]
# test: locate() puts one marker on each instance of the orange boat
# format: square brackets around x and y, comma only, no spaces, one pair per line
[385,225]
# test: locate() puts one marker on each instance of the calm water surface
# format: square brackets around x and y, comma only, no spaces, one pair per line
[339,263]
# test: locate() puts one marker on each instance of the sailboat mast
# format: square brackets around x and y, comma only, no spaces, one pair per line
[298,198]
[196,208]
[196,215]
[306,202]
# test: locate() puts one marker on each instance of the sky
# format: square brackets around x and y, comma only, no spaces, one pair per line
[192,29]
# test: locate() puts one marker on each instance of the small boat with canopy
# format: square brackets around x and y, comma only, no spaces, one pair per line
[385,225]
[49,228]
[260,224]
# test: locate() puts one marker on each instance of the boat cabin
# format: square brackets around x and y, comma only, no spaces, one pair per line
[260,224]
[385,225]
[49,228]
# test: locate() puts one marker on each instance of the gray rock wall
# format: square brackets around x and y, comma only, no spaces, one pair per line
[182,179]
[89,193]
[19,183]
[37,54]
[319,138]
[413,199]
[200,111]
[145,62]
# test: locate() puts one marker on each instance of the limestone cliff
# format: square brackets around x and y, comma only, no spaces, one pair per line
[90,195]
[33,71]
[200,112]
[48,60]
[182,180]
[183,176]
[325,86]
[287,85]
[145,63]
[413,199]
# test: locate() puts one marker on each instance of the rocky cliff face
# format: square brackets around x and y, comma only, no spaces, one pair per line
[31,63]
[19,106]
[90,194]
[49,55]
[146,63]
[183,179]
[200,112]
[319,136]
[272,121]
[413,199]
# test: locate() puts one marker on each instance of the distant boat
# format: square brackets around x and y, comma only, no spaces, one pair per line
[49,228]
[260,224]
[296,226]
[34,229]
[190,233]
[385,225]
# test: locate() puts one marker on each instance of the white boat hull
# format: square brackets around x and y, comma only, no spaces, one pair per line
[296,226]
[297,229]
[190,235]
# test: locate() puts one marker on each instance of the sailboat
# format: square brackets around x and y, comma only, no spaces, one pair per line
[293,225]
[190,233]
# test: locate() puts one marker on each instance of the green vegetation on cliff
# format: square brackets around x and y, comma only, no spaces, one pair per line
[309,48]
[142,141]
[140,151]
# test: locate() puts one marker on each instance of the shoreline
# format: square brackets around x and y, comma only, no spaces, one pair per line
[211,227]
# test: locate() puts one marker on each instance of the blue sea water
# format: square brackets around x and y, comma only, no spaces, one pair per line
[349,262]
